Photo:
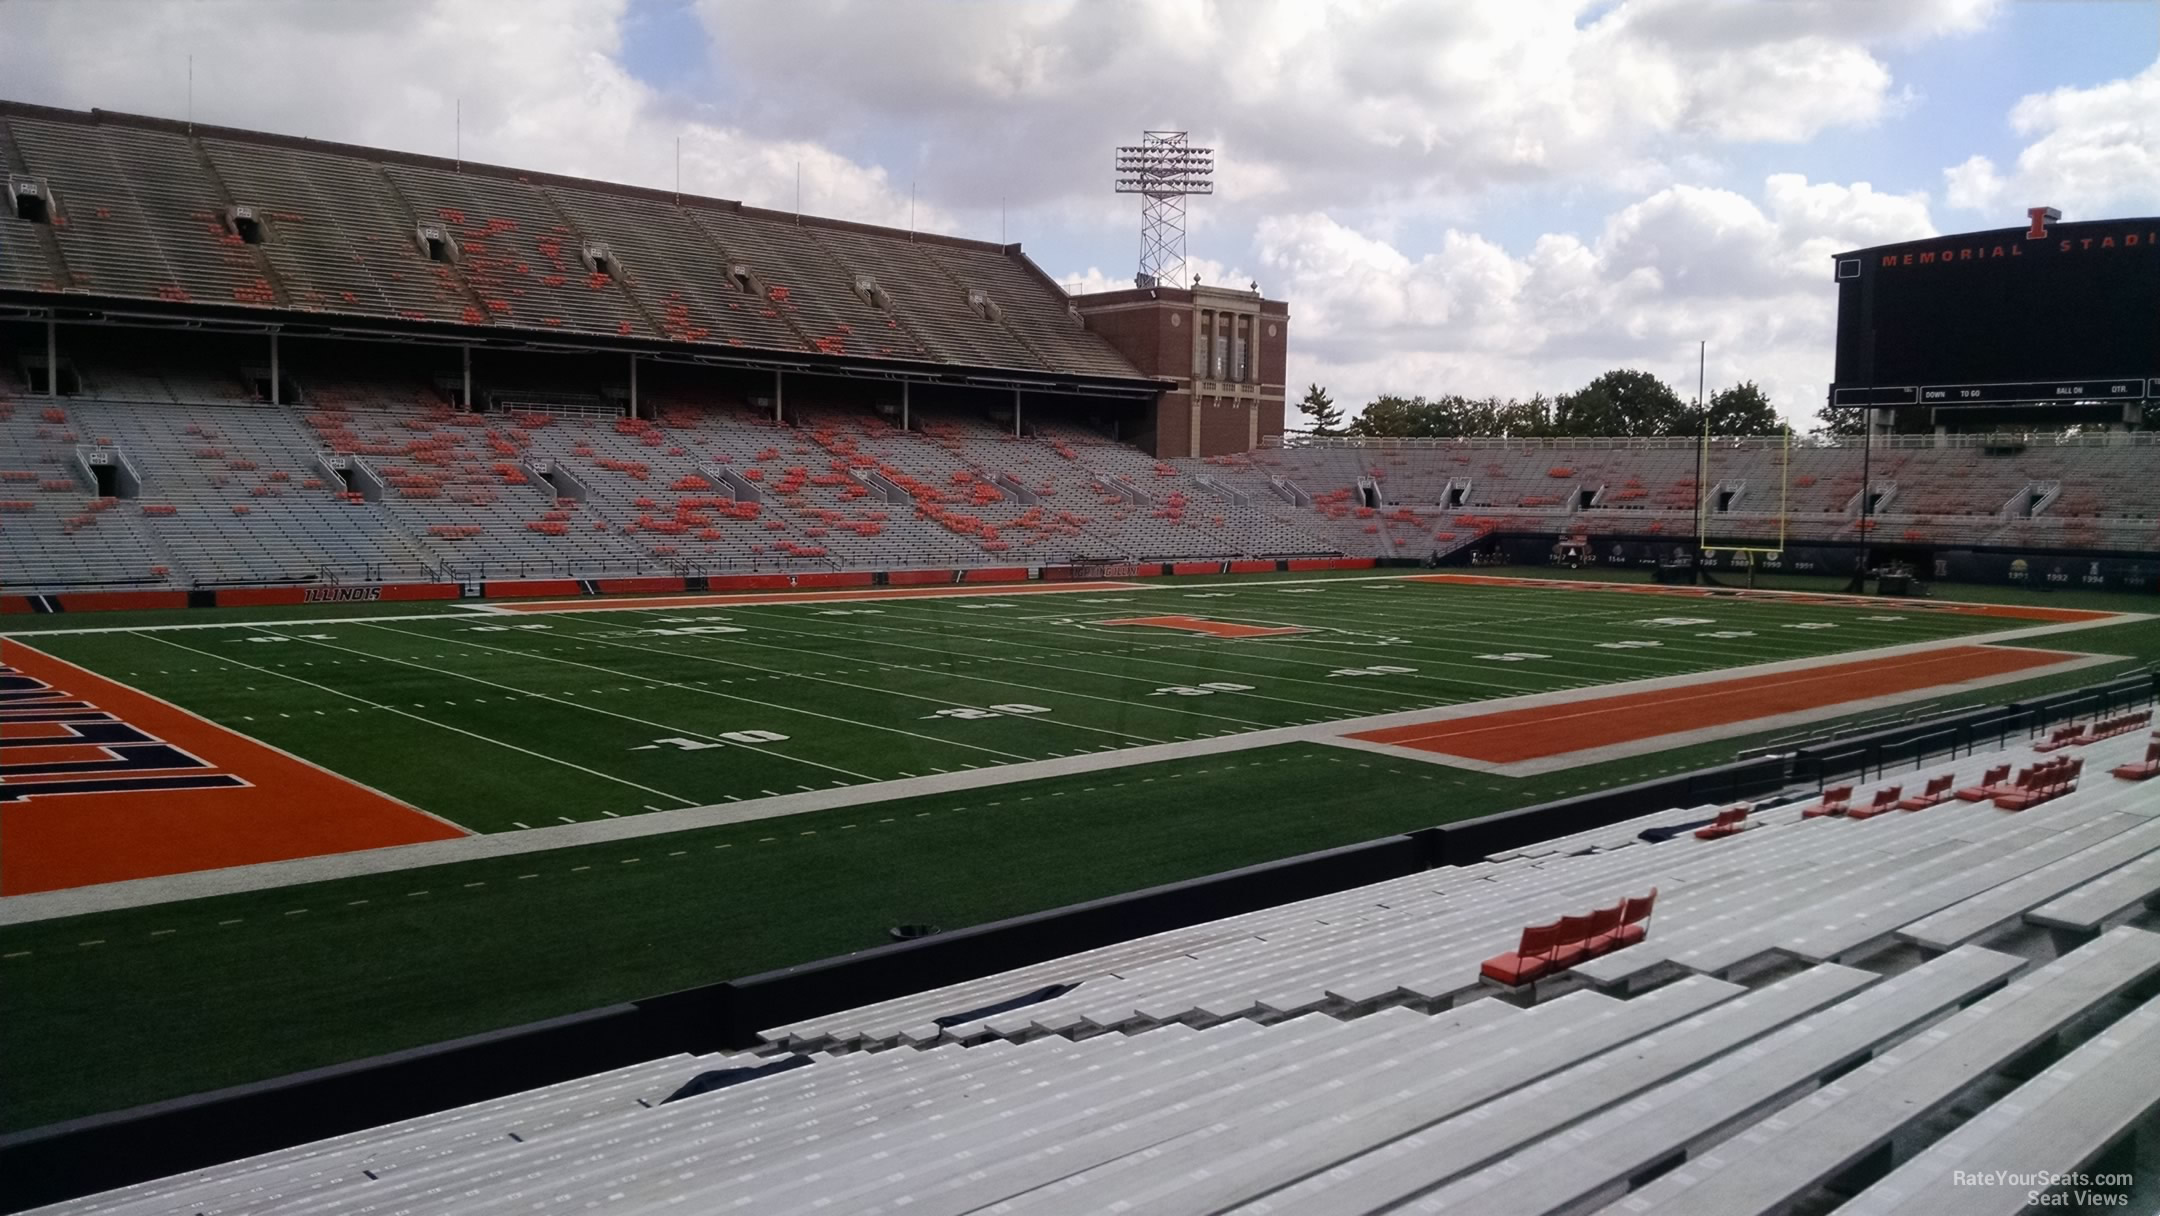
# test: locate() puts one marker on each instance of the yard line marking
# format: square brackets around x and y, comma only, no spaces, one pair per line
[771,673]
[1003,660]
[455,729]
[707,693]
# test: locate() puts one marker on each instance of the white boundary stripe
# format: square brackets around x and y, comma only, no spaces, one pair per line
[20,909]
[761,599]
[31,635]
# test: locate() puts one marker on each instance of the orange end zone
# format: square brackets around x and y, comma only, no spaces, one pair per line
[1213,629]
[101,783]
[1510,736]
[805,597]
[2008,612]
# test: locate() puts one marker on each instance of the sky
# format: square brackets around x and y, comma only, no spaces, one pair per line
[1454,196]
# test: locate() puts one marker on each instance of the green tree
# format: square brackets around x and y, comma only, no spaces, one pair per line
[1742,409]
[1320,411]
[1621,402]
[1392,415]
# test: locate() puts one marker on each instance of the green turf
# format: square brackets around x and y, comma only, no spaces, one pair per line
[180,997]
[103,1011]
[502,723]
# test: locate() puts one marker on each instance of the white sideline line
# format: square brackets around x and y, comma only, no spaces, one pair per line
[22,909]
[417,718]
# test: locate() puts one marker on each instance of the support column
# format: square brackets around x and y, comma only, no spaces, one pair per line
[277,390]
[904,403]
[466,348]
[779,395]
[1016,413]
[633,386]
[52,359]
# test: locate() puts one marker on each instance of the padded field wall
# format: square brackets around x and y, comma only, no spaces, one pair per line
[566,588]
[2082,570]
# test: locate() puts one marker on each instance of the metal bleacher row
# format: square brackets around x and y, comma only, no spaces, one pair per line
[2095,491]
[234,491]
[1827,1013]
[239,493]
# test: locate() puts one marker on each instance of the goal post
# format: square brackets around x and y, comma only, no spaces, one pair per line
[1743,507]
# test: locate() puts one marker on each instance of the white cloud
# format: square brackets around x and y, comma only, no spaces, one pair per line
[2092,152]
[1973,185]
[1343,103]
[1748,275]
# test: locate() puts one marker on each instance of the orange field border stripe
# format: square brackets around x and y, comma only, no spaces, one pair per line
[290,808]
[2008,612]
[721,600]
[1515,735]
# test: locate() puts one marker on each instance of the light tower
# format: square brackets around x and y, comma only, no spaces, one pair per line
[1163,169]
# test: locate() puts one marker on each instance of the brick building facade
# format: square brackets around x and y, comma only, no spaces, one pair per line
[1222,349]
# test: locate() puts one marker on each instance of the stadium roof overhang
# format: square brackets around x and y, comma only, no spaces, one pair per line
[73,309]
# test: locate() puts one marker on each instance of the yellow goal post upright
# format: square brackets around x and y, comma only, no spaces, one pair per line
[1733,509]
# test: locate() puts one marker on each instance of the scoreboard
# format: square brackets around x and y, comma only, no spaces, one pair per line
[2047,312]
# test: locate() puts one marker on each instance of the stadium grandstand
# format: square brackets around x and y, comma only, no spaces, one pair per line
[530,694]
[240,360]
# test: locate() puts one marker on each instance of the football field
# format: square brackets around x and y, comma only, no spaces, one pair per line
[948,759]
[540,715]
